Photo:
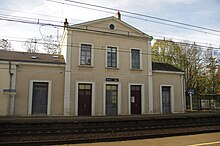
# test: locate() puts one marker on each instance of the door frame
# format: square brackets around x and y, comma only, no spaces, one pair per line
[171,98]
[119,96]
[77,97]
[31,86]
[142,97]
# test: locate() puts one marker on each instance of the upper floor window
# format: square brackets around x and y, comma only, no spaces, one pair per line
[112,57]
[86,54]
[135,59]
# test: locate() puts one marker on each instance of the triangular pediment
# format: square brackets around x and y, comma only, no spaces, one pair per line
[112,25]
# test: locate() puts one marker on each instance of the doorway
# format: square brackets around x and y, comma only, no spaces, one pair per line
[40,98]
[135,99]
[166,99]
[111,100]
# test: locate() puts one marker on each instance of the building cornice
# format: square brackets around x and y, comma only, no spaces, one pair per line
[167,72]
[32,63]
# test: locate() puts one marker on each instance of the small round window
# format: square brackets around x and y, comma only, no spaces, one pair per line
[111,26]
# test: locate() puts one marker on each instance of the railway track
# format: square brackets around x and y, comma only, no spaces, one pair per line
[77,131]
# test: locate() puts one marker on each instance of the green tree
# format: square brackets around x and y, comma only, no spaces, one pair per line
[184,56]
[166,51]
[217,77]
[212,72]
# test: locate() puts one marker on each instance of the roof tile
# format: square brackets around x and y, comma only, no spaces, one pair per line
[31,57]
[165,67]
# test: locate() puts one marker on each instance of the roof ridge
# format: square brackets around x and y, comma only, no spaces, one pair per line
[31,53]
[31,57]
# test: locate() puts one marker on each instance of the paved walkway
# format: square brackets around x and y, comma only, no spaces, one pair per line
[210,139]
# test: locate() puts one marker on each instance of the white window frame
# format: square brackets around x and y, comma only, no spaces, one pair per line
[106,57]
[92,54]
[119,96]
[31,95]
[141,65]
[171,96]
[77,97]
[142,97]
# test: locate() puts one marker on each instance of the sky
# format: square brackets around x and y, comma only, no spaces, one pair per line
[203,13]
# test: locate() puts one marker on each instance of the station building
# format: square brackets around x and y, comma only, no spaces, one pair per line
[105,70]
[109,72]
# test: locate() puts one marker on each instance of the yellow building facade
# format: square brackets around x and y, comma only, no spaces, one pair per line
[105,70]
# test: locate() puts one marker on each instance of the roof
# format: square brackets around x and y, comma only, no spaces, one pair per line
[165,67]
[115,19]
[31,57]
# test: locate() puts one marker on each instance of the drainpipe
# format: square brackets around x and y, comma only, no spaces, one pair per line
[12,86]
[10,112]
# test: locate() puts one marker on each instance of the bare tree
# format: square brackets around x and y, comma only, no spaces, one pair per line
[51,45]
[31,45]
[5,45]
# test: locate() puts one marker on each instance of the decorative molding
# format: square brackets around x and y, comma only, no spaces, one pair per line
[168,72]
[33,63]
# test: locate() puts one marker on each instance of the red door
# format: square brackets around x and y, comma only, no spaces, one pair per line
[135,99]
[84,99]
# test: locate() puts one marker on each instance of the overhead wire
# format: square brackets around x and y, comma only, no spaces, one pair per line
[137,14]
[143,15]
[162,23]
[97,10]
[182,36]
[144,19]
[126,16]
[121,50]
[38,22]
[4,16]
[38,14]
